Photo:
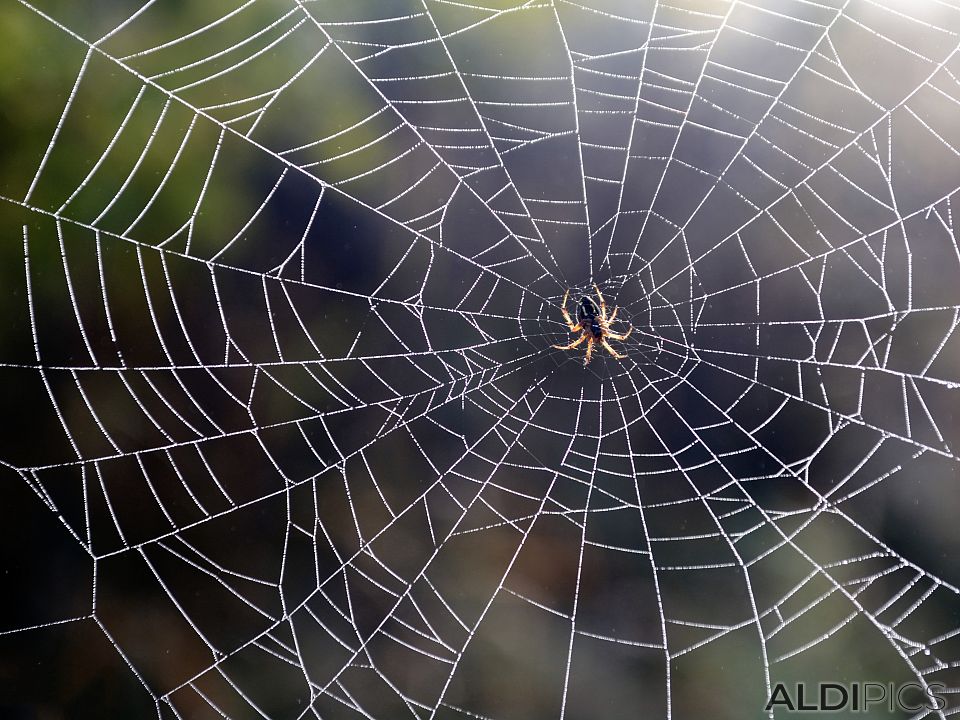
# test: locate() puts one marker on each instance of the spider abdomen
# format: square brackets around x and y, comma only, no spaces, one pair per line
[587,309]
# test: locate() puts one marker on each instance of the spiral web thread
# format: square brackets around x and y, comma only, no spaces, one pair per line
[364,326]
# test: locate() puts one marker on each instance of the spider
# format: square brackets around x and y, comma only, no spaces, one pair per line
[593,325]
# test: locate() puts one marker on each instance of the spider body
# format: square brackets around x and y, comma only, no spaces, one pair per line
[588,315]
[593,324]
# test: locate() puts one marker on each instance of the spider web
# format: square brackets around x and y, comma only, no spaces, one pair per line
[287,434]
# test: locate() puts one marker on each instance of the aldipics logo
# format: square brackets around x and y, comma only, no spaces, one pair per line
[857,696]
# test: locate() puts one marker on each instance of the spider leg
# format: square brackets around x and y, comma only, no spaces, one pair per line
[603,304]
[572,345]
[566,315]
[618,336]
[589,350]
[613,315]
[609,349]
